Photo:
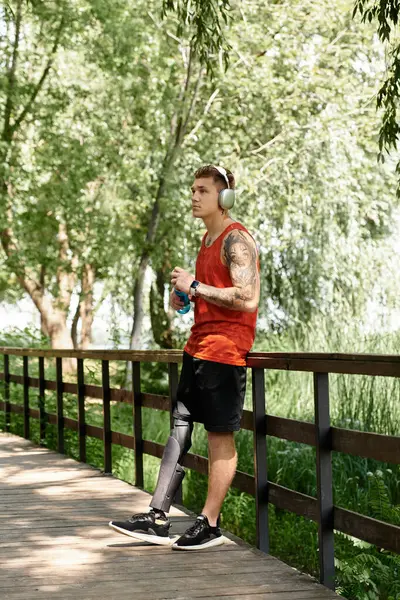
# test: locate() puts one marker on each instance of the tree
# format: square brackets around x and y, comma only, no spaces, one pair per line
[291,119]
[386,14]
[53,202]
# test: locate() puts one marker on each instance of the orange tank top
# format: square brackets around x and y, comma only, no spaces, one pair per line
[219,334]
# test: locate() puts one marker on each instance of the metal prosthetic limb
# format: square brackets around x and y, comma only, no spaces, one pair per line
[171,472]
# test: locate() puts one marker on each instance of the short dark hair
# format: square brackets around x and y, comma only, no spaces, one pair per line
[212,171]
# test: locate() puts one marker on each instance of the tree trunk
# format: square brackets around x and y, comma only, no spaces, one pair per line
[138,315]
[42,280]
[179,123]
[138,304]
[86,306]
[160,319]
[74,326]
[60,337]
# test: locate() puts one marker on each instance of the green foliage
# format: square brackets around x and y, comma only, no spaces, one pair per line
[126,114]
[22,338]
[207,18]
[385,13]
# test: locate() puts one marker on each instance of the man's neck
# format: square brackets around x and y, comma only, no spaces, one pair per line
[215,224]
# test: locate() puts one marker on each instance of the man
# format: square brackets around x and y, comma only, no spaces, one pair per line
[212,384]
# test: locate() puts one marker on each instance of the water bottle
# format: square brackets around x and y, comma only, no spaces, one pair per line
[186,307]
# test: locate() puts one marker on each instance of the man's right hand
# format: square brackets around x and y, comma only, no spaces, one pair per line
[175,301]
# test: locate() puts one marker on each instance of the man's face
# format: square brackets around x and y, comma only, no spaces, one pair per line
[204,197]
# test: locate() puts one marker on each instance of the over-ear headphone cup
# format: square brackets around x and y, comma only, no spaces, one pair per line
[226,198]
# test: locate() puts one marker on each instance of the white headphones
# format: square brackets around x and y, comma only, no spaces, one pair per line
[226,198]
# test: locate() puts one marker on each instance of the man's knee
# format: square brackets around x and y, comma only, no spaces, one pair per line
[221,437]
[221,444]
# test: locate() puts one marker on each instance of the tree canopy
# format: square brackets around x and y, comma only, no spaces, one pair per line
[108,108]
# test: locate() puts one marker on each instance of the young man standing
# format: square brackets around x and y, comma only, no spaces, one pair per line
[212,384]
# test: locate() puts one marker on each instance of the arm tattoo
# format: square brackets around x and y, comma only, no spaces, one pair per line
[241,258]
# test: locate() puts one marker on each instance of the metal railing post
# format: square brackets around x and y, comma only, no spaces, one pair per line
[81,411]
[323,434]
[137,424]
[41,402]
[60,407]
[105,369]
[26,397]
[7,409]
[260,459]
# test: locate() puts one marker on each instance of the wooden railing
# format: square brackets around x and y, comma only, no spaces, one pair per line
[321,434]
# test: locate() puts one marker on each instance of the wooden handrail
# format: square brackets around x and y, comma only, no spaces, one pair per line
[387,365]
[319,434]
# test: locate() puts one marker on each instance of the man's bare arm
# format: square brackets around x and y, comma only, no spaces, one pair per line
[240,255]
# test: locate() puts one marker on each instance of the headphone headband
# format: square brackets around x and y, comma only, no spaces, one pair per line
[224,174]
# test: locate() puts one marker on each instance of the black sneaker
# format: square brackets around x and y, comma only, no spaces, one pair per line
[151,527]
[200,536]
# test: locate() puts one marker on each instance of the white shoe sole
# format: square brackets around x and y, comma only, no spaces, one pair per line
[215,542]
[146,537]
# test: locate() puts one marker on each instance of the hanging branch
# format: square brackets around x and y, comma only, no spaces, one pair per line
[41,81]
[11,76]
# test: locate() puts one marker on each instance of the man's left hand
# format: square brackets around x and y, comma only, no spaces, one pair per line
[181,280]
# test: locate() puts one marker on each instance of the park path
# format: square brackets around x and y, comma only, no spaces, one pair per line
[55,542]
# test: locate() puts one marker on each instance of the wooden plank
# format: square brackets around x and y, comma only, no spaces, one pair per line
[170,355]
[46,552]
[384,448]
[380,447]
[373,531]
[353,366]
[291,430]
[123,439]
[158,401]
[300,504]
[155,401]
[94,431]
[124,355]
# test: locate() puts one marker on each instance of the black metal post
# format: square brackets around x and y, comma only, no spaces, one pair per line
[323,434]
[7,409]
[260,459]
[81,411]
[41,401]
[60,407]
[26,397]
[173,386]
[137,424]
[105,368]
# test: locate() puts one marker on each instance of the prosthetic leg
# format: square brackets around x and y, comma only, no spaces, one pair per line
[153,526]
[171,472]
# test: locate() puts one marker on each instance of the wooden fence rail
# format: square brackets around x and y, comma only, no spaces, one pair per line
[320,434]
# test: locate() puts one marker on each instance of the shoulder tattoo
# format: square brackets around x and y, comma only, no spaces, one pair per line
[241,257]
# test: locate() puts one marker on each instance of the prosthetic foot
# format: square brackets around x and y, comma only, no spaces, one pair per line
[150,527]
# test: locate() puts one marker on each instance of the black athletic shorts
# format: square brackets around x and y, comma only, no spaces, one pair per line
[211,393]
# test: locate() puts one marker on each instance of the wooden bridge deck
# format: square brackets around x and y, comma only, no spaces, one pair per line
[55,542]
